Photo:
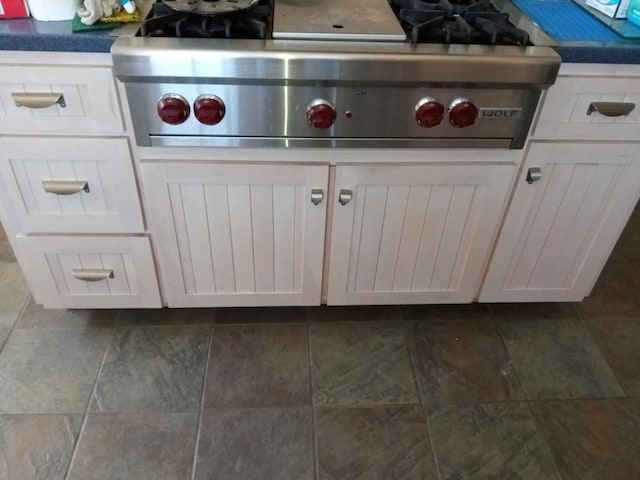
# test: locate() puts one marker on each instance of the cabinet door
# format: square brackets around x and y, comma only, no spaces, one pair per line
[560,230]
[237,234]
[414,234]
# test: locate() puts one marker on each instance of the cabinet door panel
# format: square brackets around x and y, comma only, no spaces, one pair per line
[414,234]
[559,231]
[237,234]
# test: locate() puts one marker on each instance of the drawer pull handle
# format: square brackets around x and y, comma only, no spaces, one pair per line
[38,100]
[65,187]
[92,274]
[611,109]
[534,174]
[317,195]
[345,197]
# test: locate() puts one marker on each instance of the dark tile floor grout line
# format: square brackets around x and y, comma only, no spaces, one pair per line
[17,319]
[314,433]
[201,409]
[541,434]
[496,327]
[257,324]
[433,448]
[584,323]
[579,399]
[86,411]
[169,325]
[405,333]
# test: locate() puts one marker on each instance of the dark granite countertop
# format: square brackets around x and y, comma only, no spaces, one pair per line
[28,34]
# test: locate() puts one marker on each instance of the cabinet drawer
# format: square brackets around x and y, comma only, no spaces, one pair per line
[40,176]
[90,272]
[568,109]
[87,100]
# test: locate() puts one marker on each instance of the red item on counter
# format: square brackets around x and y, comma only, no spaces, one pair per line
[13,8]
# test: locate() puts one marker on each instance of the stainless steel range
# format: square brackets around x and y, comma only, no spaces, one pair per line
[335,73]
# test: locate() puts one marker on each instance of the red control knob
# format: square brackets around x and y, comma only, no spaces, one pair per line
[209,109]
[321,114]
[462,113]
[173,109]
[429,112]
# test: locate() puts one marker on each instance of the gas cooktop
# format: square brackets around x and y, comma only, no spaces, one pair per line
[163,21]
[477,22]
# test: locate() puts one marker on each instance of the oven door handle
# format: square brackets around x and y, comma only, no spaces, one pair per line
[611,109]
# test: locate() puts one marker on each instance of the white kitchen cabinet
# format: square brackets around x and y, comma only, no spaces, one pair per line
[570,109]
[69,200]
[58,98]
[560,230]
[414,234]
[90,272]
[70,185]
[230,235]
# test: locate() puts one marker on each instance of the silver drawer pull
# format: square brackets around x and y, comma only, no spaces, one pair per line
[317,195]
[345,196]
[37,100]
[65,187]
[611,109]
[92,274]
[534,174]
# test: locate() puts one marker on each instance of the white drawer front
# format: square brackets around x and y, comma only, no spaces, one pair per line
[566,109]
[88,95]
[40,174]
[90,272]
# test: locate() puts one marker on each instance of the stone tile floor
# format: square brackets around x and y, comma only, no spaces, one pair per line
[535,391]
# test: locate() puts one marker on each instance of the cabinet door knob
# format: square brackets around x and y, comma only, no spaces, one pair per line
[534,174]
[345,196]
[317,195]
[611,109]
[37,100]
[65,187]
[92,274]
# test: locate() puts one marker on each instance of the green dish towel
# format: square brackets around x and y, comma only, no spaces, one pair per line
[78,26]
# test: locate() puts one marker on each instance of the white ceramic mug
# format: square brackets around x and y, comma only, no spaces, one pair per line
[53,10]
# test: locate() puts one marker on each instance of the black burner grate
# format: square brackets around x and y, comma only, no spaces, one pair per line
[162,21]
[461,21]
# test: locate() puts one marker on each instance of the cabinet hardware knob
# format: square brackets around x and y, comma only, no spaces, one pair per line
[533,175]
[345,196]
[65,187]
[317,195]
[611,109]
[92,274]
[37,100]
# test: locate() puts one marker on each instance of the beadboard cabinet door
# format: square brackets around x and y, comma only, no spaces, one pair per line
[237,235]
[414,234]
[560,230]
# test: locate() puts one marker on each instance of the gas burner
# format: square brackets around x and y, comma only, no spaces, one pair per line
[461,21]
[162,21]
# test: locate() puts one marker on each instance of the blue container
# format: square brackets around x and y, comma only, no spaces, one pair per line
[633,15]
